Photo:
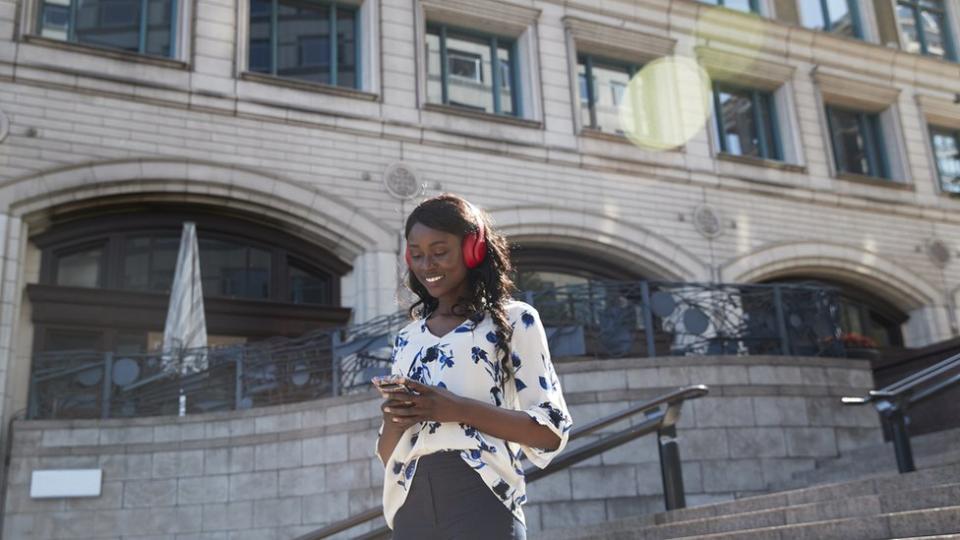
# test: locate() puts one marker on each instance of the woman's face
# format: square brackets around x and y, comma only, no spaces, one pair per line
[437,260]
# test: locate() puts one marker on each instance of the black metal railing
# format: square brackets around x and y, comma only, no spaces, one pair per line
[893,402]
[651,318]
[597,319]
[661,415]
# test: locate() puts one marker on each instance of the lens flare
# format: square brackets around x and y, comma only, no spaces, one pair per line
[668,102]
[742,35]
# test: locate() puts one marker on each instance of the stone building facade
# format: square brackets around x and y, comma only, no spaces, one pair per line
[834,157]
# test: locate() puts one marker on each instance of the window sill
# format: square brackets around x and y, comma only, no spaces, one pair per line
[309,86]
[106,52]
[500,118]
[762,162]
[874,181]
[595,133]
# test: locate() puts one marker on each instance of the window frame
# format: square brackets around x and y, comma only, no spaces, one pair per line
[333,6]
[768,100]
[588,61]
[858,20]
[179,29]
[949,35]
[870,126]
[110,235]
[932,130]
[441,30]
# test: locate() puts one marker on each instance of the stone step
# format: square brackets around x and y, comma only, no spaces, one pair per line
[852,507]
[841,472]
[915,523]
[932,488]
[881,483]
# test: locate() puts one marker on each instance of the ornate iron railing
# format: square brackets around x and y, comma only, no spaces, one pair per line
[598,319]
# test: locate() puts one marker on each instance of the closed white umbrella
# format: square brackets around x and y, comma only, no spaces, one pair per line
[185,330]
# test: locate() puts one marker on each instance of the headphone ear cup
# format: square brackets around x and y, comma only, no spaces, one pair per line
[469,249]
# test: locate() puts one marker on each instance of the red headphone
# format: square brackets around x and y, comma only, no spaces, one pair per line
[474,246]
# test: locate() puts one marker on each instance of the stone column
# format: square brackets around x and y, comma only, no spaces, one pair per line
[371,287]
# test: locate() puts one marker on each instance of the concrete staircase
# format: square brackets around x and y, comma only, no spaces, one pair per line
[930,450]
[870,501]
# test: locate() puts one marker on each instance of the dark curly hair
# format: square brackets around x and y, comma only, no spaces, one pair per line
[490,285]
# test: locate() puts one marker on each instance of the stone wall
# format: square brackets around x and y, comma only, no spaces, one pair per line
[278,472]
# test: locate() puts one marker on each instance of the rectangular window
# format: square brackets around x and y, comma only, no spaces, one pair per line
[746,6]
[138,26]
[292,38]
[857,139]
[924,27]
[834,16]
[946,152]
[471,70]
[746,122]
[600,99]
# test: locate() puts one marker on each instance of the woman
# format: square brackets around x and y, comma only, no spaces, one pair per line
[478,387]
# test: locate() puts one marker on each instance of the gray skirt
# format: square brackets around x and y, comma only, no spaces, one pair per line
[449,501]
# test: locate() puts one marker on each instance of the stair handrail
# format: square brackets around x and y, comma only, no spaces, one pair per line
[894,400]
[663,421]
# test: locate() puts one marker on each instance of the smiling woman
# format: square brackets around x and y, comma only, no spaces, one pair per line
[476,386]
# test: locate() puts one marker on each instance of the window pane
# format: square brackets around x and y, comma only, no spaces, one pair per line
[584,95]
[947,153]
[346,48]
[158,27]
[434,81]
[303,41]
[109,23]
[506,80]
[740,133]
[850,141]
[933,33]
[470,81]
[908,24]
[55,20]
[149,262]
[739,5]
[308,287]
[234,270]
[80,269]
[811,14]
[610,89]
[260,57]
[841,18]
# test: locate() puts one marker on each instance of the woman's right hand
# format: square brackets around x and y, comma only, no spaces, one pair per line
[392,404]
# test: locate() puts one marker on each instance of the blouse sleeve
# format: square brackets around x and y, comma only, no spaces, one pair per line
[538,387]
[394,370]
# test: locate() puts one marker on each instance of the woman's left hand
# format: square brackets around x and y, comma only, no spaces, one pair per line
[430,404]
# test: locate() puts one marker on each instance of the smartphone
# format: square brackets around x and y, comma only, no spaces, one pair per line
[393,385]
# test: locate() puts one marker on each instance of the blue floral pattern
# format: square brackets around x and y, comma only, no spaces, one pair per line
[465,362]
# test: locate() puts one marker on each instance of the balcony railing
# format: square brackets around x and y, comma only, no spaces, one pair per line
[600,320]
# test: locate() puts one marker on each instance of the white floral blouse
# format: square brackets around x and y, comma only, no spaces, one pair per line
[464,361]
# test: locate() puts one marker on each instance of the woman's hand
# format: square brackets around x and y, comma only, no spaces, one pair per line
[429,404]
[392,405]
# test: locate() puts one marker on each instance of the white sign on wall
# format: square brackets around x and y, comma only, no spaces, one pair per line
[66,483]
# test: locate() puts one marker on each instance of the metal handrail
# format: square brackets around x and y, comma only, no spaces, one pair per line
[663,421]
[894,400]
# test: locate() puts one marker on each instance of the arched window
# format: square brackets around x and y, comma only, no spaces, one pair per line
[104,280]
[540,268]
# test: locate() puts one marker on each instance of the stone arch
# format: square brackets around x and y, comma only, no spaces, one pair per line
[325,219]
[840,262]
[619,241]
